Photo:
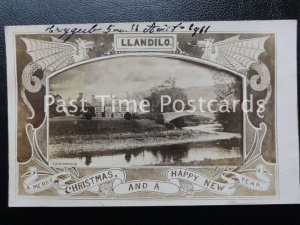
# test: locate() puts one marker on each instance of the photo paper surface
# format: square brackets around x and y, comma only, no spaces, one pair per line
[157,113]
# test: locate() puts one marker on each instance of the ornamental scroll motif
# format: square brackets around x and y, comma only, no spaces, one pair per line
[239,55]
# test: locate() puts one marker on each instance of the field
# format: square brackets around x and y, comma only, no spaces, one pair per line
[74,125]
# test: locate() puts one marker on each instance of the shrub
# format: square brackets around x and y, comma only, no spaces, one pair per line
[179,122]
[170,126]
[159,119]
[151,116]
[135,116]
[127,116]
[88,115]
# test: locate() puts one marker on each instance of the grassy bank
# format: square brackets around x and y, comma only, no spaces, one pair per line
[73,126]
[70,145]
[207,162]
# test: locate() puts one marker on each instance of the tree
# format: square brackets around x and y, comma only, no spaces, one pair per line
[88,115]
[127,116]
[52,108]
[159,119]
[229,88]
[168,87]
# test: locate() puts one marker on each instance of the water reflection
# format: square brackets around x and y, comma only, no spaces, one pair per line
[192,154]
[171,153]
[127,156]
[88,159]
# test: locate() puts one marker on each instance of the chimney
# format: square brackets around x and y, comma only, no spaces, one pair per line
[93,99]
[69,99]
[80,97]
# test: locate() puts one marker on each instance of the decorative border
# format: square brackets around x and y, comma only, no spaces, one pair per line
[35,141]
[110,183]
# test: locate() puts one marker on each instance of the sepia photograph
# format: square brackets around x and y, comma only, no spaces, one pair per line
[145,111]
[154,113]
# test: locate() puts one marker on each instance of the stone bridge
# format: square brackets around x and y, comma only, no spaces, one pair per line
[169,116]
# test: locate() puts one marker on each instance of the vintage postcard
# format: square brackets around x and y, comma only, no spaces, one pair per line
[156,113]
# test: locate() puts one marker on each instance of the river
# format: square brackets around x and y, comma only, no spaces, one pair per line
[188,154]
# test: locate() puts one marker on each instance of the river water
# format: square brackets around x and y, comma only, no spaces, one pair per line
[191,154]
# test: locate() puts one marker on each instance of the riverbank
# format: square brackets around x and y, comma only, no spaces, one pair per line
[79,145]
[207,162]
[108,126]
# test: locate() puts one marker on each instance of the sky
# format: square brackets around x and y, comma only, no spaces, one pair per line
[120,76]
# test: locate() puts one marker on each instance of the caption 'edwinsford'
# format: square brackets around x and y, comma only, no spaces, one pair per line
[166,103]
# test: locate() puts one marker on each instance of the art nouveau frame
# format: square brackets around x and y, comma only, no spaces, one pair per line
[258,169]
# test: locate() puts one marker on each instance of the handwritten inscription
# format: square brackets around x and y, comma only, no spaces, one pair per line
[68,32]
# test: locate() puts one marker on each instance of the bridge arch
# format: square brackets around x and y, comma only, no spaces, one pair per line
[169,116]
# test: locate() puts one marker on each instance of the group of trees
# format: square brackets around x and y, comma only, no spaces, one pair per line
[168,87]
[226,87]
[229,88]
[52,108]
